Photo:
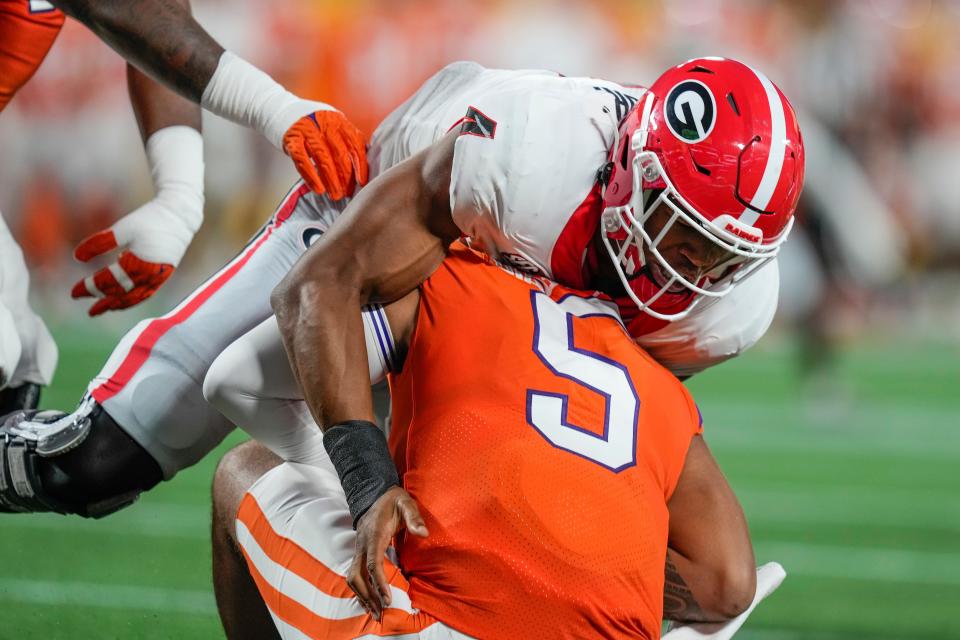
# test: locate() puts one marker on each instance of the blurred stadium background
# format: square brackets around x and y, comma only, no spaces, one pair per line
[839,431]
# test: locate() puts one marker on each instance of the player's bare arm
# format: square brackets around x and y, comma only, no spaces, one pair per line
[171,45]
[390,238]
[388,241]
[162,38]
[710,572]
[154,238]
[157,107]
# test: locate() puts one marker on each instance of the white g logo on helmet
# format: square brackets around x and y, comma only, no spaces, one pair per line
[690,111]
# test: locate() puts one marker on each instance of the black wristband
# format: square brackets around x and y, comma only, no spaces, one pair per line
[358,450]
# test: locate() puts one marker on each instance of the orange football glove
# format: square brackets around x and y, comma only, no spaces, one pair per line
[329,153]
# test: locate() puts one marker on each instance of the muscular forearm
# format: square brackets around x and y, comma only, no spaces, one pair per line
[318,312]
[157,107]
[171,46]
[153,238]
[388,240]
[162,39]
[323,335]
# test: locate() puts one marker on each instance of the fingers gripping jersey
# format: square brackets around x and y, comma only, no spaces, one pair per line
[544,446]
[28,29]
[524,188]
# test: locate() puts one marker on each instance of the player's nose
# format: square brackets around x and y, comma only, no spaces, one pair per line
[703,254]
[693,259]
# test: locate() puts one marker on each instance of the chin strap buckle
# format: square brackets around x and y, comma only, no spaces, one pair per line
[604,173]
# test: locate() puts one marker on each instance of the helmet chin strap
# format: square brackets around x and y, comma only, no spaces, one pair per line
[639,139]
[646,195]
[613,217]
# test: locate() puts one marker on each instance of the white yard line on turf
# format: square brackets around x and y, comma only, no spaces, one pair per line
[153,520]
[834,444]
[109,596]
[863,563]
[807,508]
[794,634]
[915,510]
[912,420]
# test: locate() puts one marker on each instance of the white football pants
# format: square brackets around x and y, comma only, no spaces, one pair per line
[152,384]
[297,537]
[27,350]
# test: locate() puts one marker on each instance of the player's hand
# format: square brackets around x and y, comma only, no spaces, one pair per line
[328,151]
[393,511]
[152,241]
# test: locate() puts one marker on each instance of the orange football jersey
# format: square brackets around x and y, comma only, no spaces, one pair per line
[27,31]
[541,445]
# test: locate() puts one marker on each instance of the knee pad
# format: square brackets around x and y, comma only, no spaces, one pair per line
[80,463]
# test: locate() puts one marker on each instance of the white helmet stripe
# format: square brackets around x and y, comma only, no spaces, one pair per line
[778,139]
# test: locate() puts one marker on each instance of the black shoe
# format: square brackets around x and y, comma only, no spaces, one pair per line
[22,398]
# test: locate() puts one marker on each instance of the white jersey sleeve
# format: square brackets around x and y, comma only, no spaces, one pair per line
[526,158]
[486,183]
[528,148]
[717,332]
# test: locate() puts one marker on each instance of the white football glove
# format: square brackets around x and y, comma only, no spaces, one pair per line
[769,577]
[154,237]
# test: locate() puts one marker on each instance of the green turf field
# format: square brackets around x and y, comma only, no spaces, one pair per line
[855,489]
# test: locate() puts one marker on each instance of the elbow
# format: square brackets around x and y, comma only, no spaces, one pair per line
[288,296]
[288,300]
[301,295]
[284,298]
[733,590]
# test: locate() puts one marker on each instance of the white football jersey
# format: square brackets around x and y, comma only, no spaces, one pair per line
[524,188]
[526,161]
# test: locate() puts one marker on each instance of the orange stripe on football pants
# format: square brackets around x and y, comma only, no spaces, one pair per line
[292,556]
[289,554]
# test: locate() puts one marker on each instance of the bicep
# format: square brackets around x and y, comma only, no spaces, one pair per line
[392,235]
[386,242]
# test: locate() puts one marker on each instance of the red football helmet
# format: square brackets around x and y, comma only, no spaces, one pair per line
[719,144]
